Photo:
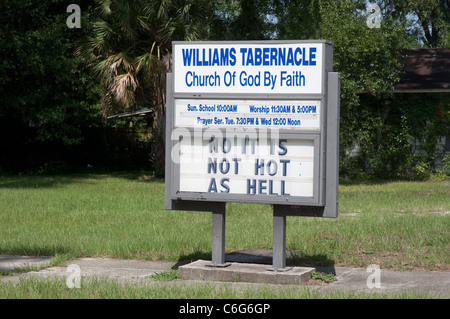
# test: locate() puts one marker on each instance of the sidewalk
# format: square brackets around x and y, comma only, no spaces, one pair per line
[139,271]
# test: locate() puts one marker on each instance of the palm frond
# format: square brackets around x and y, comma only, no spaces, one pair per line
[124,88]
[104,7]
[126,45]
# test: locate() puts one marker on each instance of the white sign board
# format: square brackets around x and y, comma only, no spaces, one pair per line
[247,166]
[253,122]
[249,68]
[250,121]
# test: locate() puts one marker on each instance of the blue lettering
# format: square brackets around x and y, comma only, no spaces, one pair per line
[298,61]
[250,58]
[259,166]
[305,61]
[197,58]
[290,57]
[236,165]
[258,56]
[266,52]
[188,83]
[225,186]
[267,56]
[283,192]
[285,162]
[272,167]
[312,56]
[243,52]
[213,145]
[212,165]
[215,59]
[187,57]
[212,186]
[282,147]
[226,145]
[226,169]
[273,56]
[262,186]
[251,186]
[205,62]
[271,192]
[281,56]
[232,56]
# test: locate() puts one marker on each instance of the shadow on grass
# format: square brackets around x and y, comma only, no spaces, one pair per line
[37,251]
[58,180]
[18,182]
[188,258]
[374,181]
[319,261]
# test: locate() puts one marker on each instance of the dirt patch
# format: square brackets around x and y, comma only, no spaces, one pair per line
[315,282]
[443,211]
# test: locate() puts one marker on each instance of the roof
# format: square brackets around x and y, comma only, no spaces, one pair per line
[426,70]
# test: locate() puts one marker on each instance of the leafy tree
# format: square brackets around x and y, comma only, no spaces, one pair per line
[297,19]
[252,23]
[373,120]
[223,13]
[428,21]
[368,61]
[129,52]
[48,104]
[369,64]
[241,20]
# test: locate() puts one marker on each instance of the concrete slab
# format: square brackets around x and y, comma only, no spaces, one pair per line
[237,275]
[12,263]
[243,272]
[117,269]
[361,280]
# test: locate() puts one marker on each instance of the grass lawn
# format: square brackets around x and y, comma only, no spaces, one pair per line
[35,288]
[397,225]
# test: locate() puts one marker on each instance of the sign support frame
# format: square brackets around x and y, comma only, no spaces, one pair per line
[329,163]
[279,243]
[218,239]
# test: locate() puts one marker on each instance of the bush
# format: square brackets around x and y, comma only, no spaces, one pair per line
[443,173]
[396,137]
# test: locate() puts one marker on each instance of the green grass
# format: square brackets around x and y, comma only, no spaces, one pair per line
[94,215]
[167,275]
[326,277]
[36,288]
[397,225]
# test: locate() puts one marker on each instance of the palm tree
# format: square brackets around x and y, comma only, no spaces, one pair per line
[129,52]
